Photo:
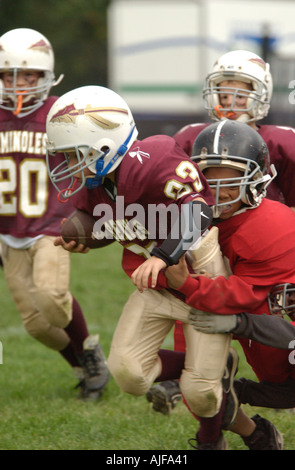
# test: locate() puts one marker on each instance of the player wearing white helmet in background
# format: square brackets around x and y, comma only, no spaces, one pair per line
[37,272]
[239,87]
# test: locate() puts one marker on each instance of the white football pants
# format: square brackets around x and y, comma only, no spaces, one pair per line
[134,363]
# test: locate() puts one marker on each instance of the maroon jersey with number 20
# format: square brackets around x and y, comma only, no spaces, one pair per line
[30,206]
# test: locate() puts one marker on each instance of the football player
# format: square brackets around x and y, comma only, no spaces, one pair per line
[238,87]
[37,272]
[123,182]
[257,238]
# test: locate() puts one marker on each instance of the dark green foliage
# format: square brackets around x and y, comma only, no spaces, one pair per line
[77,31]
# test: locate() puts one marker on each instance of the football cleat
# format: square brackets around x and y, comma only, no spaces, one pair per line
[265,436]
[95,371]
[164,396]
[220,444]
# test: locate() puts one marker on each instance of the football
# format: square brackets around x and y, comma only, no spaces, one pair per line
[79,227]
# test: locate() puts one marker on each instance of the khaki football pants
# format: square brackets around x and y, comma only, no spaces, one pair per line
[134,363]
[38,280]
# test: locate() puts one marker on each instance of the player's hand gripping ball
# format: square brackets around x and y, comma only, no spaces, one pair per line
[79,227]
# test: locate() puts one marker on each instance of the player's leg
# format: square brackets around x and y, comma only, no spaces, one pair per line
[165,394]
[51,275]
[205,361]
[143,325]
[18,275]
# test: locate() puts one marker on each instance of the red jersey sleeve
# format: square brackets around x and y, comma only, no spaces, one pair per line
[224,296]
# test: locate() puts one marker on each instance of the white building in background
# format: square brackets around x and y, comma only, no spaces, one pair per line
[161,50]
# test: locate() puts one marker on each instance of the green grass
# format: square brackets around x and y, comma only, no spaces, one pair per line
[39,409]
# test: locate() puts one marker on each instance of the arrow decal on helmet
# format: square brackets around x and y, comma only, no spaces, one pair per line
[41,46]
[259,62]
[70,113]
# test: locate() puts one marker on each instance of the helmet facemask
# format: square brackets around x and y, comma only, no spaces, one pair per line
[87,157]
[281,300]
[257,105]
[239,66]
[252,183]
[24,100]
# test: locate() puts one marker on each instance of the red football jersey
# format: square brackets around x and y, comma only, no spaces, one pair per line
[153,174]
[260,247]
[30,206]
[280,142]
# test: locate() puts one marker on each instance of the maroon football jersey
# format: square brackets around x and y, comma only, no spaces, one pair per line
[30,206]
[280,142]
[154,174]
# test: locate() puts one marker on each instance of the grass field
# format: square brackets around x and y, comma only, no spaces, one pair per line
[39,408]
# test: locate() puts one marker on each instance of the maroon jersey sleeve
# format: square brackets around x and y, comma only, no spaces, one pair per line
[186,136]
[30,206]
[281,143]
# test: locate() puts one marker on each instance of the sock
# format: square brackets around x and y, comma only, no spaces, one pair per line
[172,364]
[70,356]
[77,329]
[210,428]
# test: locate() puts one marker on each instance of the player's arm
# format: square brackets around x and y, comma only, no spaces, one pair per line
[194,218]
[269,330]
[221,296]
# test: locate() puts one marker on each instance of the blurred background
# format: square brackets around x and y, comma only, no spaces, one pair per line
[156,53]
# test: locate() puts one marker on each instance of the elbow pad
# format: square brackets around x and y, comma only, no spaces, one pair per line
[194,218]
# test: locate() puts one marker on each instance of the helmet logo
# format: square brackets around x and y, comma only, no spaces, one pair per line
[41,46]
[70,113]
[259,62]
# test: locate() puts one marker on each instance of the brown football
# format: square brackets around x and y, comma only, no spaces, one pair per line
[79,227]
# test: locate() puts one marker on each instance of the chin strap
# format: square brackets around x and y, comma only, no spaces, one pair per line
[64,195]
[101,172]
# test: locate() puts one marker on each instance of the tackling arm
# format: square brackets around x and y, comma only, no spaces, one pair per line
[269,330]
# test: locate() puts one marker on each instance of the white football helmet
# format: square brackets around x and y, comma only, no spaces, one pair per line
[97,124]
[243,66]
[26,49]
